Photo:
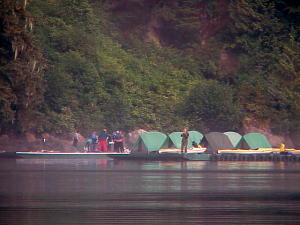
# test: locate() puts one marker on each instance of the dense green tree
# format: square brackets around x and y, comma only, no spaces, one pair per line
[210,106]
[93,82]
[69,37]
[21,69]
[267,62]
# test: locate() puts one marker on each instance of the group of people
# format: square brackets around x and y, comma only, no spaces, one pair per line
[104,142]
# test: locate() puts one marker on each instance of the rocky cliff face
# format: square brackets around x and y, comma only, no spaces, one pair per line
[177,24]
[161,19]
[250,125]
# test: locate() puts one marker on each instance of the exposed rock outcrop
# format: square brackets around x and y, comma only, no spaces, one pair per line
[133,136]
[251,125]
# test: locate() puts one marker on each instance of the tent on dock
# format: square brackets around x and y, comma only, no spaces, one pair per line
[150,142]
[215,141]
[235,138]
[255,141]
[175,139]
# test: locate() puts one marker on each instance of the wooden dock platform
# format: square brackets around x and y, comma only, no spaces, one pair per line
[256,157]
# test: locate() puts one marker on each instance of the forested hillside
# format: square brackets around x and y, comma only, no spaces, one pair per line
[152,64]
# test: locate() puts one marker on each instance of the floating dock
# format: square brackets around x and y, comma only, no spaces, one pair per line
[256,157]
[253,155]
[165,156]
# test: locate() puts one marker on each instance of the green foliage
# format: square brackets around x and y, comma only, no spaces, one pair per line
[75,96]
[210,106]
[126,64]
[21,69]
[268,67]
[93,82]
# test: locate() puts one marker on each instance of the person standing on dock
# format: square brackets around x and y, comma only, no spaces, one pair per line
[44,136]
[118,139]
[184,140]
[103,136]
[110,142]
[88,145]
[75,140]
[94,141]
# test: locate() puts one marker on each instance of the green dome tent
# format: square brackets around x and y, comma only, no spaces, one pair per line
[150,142]
[215,141]
[255,141]
[175,139]
[235,138]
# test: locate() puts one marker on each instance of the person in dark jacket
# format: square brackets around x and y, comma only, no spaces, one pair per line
[118,142]
[94,141]
[184,140]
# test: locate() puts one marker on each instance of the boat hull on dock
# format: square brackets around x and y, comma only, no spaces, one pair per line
[66,155]
[164,156]
[256,157]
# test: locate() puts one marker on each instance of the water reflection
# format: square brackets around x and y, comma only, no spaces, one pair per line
[108,191]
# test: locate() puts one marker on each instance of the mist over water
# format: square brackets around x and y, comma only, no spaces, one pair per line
[99,191]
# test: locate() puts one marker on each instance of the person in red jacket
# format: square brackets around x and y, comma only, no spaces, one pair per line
[102,138]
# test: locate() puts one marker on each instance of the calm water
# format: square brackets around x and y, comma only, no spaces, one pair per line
[101,191]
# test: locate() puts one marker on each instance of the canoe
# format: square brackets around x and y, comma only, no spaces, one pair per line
[8,155]
[67,155]
[164,156]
